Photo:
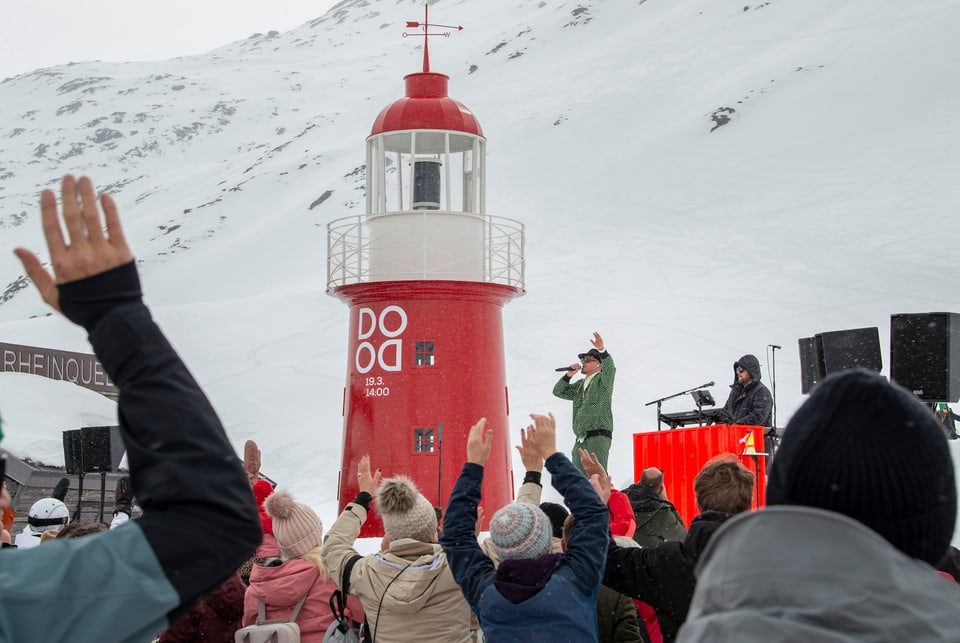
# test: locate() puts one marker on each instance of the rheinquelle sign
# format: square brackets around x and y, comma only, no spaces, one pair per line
[82,369]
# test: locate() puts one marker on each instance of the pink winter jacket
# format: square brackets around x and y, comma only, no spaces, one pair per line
[282,586]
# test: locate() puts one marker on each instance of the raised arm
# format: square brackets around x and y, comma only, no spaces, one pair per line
[183,468]
[471,568]
[609,368]
[587,547]
[338,544]
[531,490]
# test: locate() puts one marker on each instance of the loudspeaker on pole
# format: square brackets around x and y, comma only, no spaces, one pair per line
[925,354]
[71,451]
[838,350]
[101,448]
[808,364]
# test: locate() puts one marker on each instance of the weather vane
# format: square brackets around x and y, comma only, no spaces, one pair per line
[425,25]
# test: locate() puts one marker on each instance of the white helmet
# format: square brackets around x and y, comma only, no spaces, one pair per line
[47,513]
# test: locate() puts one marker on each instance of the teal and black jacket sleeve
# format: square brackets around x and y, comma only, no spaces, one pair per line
[200,519]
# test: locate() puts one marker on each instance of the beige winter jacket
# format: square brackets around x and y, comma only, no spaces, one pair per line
[407,592]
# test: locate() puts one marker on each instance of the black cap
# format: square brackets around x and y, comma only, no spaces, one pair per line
[557,515]
[593,352]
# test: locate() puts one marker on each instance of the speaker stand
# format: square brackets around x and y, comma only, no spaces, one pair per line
[76,516]
[103,491]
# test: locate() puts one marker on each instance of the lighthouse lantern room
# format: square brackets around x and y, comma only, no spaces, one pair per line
[425,272]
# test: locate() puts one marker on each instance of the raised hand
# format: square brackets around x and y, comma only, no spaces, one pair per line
[602,485]
[478,528]
[251,461]
[543,435]
[89,252]
[528,455]
[597,341]
[366,480]
[479,443]
[591,464]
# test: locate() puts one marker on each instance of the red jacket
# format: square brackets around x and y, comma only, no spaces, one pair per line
[622,520]
[261,490]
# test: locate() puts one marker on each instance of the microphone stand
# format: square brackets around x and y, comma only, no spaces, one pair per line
[770,443]
[670,397]
[773,380]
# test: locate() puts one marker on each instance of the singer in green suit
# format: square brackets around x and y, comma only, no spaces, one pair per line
[592,399]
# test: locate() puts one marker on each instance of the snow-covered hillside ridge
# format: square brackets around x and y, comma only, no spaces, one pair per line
[698,178]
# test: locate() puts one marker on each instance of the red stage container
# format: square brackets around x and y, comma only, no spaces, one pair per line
[681,453]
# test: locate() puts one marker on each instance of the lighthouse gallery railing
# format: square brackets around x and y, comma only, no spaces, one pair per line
[501,250]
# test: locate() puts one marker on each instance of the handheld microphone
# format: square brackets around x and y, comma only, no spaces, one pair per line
[776,346]
[562,369]
[707,384]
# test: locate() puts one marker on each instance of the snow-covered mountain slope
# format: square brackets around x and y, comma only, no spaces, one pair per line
[699,179]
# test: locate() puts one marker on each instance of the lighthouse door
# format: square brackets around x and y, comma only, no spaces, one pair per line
[426,458]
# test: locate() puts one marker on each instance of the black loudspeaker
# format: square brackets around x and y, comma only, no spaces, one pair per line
[71,451]
[840,350]
[925,354]
[101,448]
[808,364]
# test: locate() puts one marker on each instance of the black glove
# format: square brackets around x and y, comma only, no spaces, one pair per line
[123,499]
[60,491]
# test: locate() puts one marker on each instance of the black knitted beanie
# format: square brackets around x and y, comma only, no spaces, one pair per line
[557,515]
[868,449]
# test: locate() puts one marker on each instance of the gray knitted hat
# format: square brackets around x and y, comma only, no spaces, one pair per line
[520,530]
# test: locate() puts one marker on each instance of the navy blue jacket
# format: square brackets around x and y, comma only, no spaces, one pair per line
[551,598]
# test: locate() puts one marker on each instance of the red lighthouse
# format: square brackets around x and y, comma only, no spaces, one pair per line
[425,272]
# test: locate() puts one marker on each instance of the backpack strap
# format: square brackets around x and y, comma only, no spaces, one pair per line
[296,610]
[347,570]
[345,589]
[337,607]
[262,610]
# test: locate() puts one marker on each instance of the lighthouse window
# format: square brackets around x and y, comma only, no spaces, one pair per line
[423,440]
[424,354]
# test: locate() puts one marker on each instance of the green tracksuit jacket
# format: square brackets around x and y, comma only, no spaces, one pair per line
[592,409]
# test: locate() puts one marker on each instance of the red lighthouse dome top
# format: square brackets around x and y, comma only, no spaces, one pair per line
[426,106]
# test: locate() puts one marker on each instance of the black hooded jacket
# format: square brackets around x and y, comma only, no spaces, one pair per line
[663,576]
[751,404]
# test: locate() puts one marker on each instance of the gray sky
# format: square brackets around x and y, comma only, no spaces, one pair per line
[35,34]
